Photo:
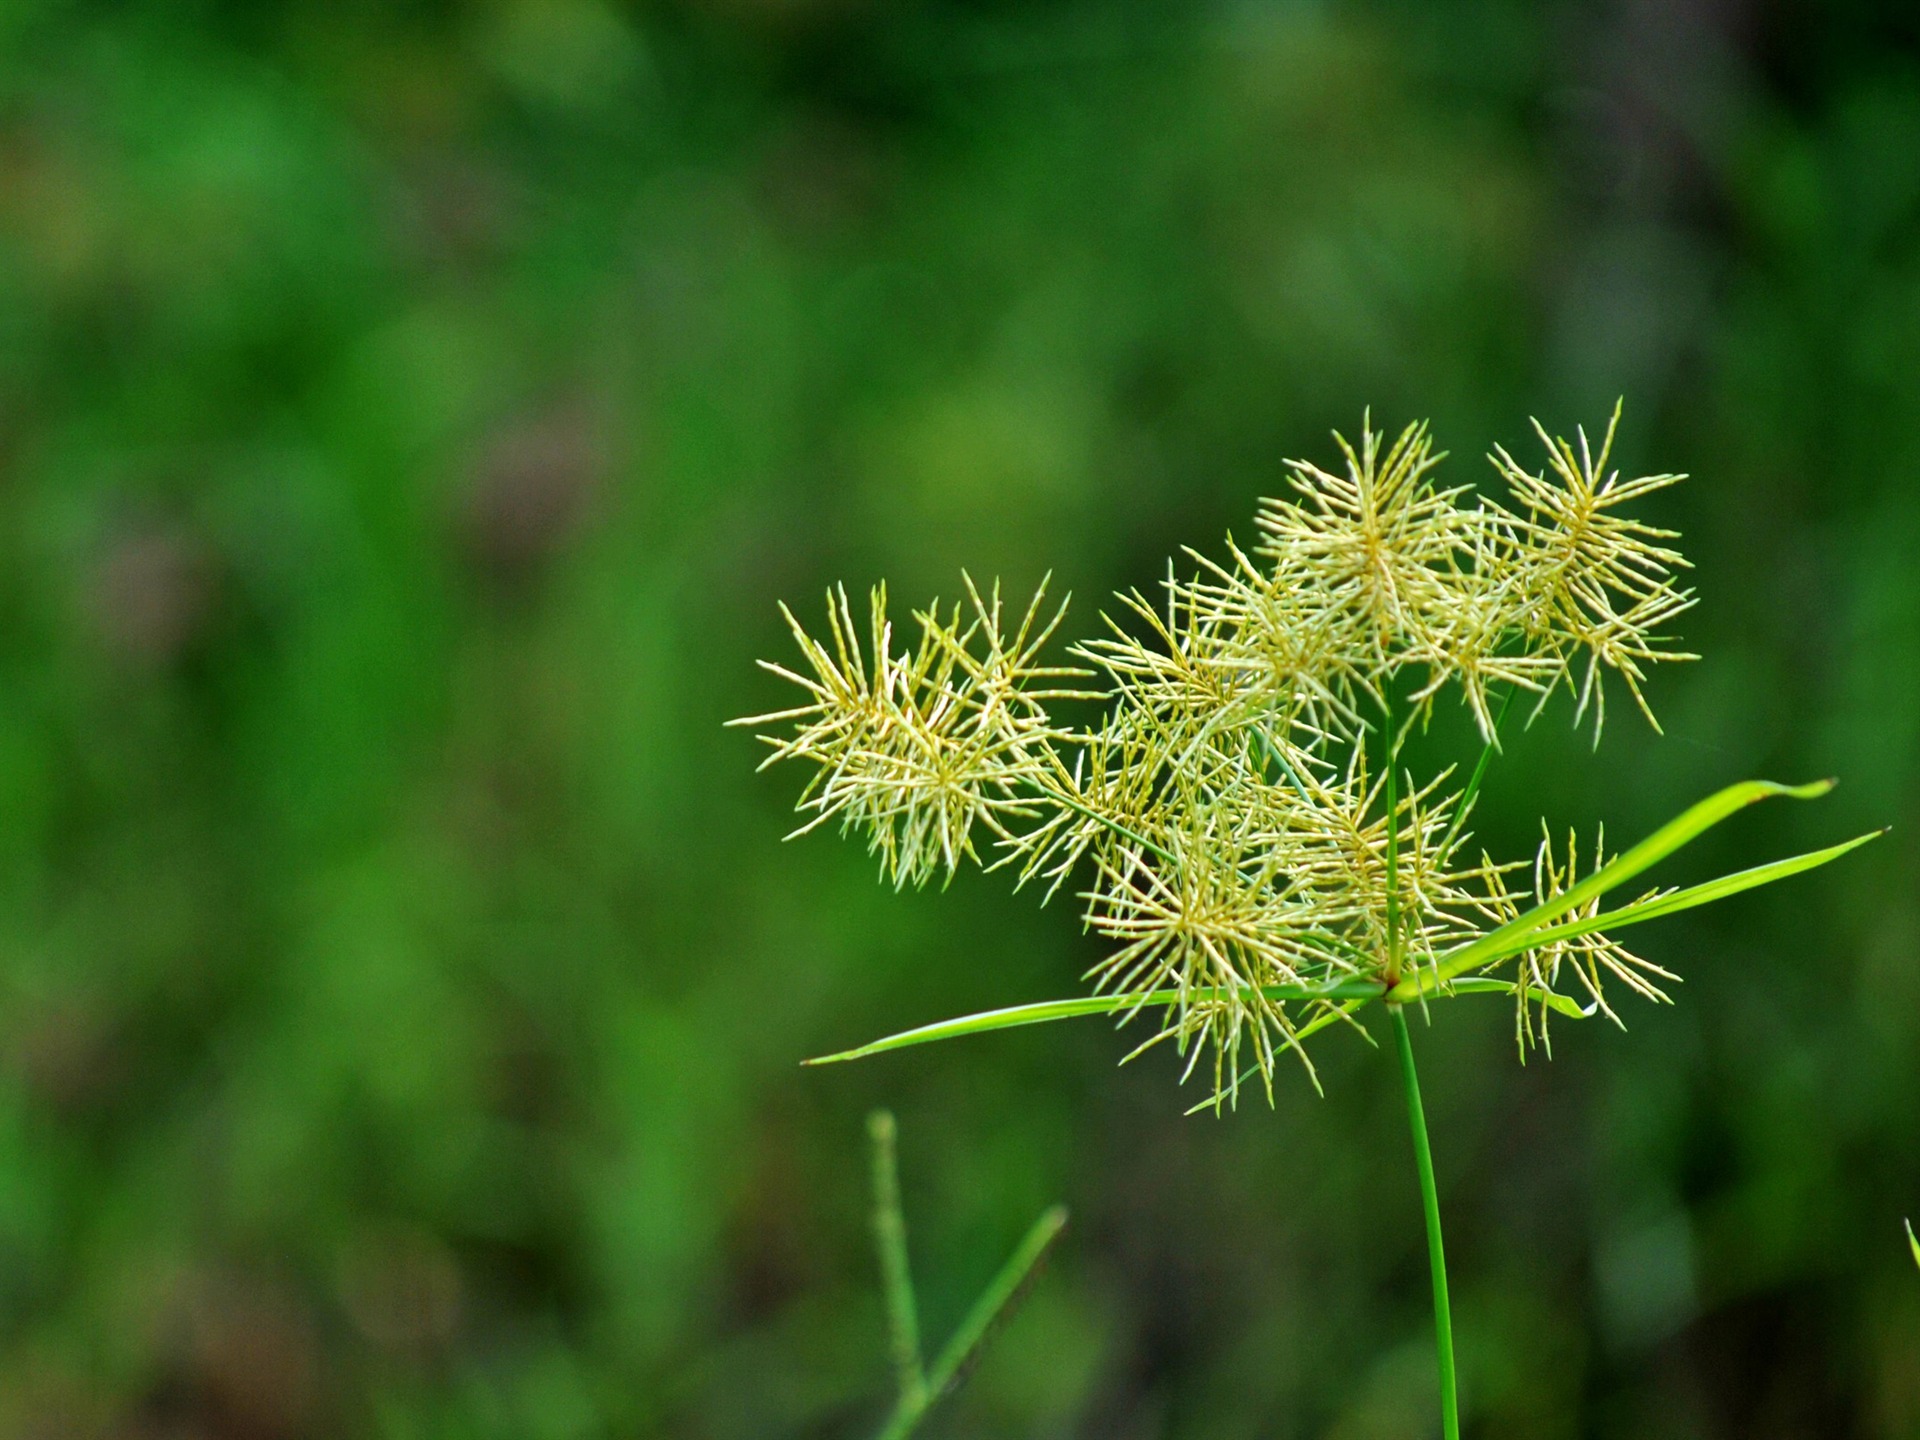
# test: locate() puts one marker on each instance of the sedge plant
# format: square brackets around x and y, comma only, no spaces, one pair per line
[1240,814]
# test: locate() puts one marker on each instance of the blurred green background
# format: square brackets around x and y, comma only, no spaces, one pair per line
[409,415]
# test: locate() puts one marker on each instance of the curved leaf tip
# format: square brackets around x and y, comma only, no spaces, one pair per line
[1812,790]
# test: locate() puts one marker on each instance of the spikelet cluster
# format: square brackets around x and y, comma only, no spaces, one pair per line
[1237,812]
[1580,955]
[927,746]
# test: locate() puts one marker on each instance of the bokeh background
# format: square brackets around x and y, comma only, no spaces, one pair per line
[409,416]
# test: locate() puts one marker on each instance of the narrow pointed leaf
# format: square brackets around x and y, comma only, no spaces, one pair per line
[1042,1011]
[1913,1242]
[1683,828]
[1693,895]
[1463,807]
[996,1302]
[1493,985]
[1487,985]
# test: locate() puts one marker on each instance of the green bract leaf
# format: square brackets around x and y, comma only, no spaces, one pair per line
[1533,928]
[1524,932]
[1702,894]
[1042,1011]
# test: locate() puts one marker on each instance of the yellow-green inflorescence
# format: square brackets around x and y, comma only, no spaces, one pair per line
[1232,810]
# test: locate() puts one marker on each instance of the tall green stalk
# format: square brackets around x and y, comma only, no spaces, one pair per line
[1430,1202]
[1410,1082]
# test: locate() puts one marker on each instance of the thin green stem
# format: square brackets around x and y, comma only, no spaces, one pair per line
[1393,840]
[1279,757]
[896,1279]
[995,1304]
[1060,797]
[1430,1202]
[1465,805]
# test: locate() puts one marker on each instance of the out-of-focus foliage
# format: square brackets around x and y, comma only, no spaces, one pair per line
[408,415]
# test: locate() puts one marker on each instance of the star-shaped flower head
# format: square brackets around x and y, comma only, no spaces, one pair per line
[1576,575]
[920,746]
[1380,546]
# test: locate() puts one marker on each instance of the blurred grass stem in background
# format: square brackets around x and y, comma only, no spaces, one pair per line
[896,1276]
[920,1389]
